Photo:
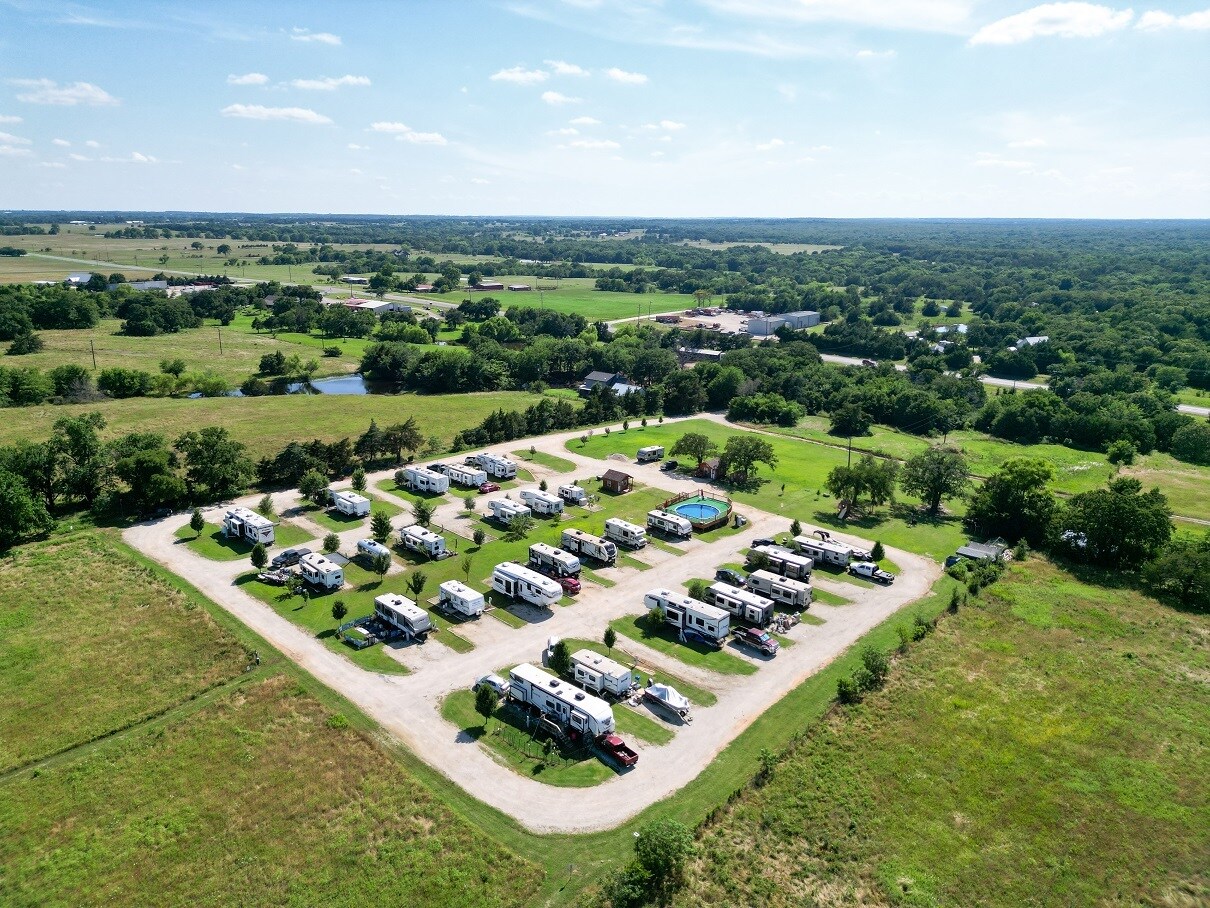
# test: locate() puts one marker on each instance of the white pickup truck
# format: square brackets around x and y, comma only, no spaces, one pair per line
[871,571]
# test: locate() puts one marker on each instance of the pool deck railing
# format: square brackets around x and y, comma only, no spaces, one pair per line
[702,526]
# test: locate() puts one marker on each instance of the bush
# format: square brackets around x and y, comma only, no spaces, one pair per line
[1121,453]
[333,351]
[24,343]
[478,536]
[265,506]
[878,552]
[331,543]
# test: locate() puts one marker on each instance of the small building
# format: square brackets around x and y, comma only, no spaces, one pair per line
[765,327]
[144,285]
[984,551]
[614,381]
[617,482]
[79,278]
[699,355]
[519,288]
[488,285]
[805,318]
[424,288]
[709,468]
[353,279]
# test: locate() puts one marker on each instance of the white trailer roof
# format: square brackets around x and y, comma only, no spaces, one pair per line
[460,590]
[741,595]
[351,497]
[599,663]
[520,572]
[778,580]
[561,690]
[624,525]
[318,562]
[539,495]
[419,532]
[249,517]
[400,605]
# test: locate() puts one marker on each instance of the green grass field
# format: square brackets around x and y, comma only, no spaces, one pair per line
[654,633]
[550,461]
[211,543]
[577,296]
[1046,707]
[698,695]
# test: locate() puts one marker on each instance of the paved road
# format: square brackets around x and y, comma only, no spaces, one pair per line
[408,706]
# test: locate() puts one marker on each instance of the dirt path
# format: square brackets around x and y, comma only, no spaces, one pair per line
[409,706]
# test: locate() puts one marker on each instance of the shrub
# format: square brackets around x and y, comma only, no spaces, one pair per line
[795,527]
[333,351]
[24,343]
[1121,453]
[878,552]
[259,555]
[265,506]
[478,536]
[331,543]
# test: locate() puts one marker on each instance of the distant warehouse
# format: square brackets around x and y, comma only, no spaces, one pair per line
[799,320]
[764,327]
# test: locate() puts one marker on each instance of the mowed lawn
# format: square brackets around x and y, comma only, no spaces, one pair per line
[577,296]
[264,797]
[1046,746]
[91,642]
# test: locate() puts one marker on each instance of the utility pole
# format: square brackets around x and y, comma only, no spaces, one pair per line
[850,451]
[92,348]
[219,329]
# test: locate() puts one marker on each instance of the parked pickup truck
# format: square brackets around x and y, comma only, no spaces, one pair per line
[871,571]
[759,640]
[617,749]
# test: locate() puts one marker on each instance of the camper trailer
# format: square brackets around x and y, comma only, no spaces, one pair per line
[506,511]
[669,523]
[582,543]
[471,477]
[371,549]
[601,674]
[824,551]
[350,503]
[784,562]
[692,618]
[421,479]
[542,502]
[245,524]
[403,614]
[651,453]
[458,597]
[748,607]
[581,713]
[546,559]
[626,533]
[518,582]
[319,571]
[792,594]
[418,539]
[573,494]
[496,467]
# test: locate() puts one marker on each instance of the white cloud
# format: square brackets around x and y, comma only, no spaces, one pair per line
[519,75]
[626,78]
[47,91]
[565,131]
[479,181]
[554,97]
[788,92]
[874,55]
[385,126]
[93,143]
[57,165]
[356,171]
[260,112]
[819,148]
[1158,20]
[423,138]
[771,145]
[585,121]
[563,68]
[12,151]
[8,138]
[303,34]
[329,83]
[928,15]
[78,157]
[247,79]
[140,158]
[593,144]
[353,146]
[62,143]
[987,159]
[1063,20]
[9,119]
[1032,142]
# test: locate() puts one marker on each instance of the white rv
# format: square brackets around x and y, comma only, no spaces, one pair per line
[506,511]
[471,477]
[573,494]
[582,543]
[748,607]
[319,571]
[601,674]
[824,551]
[650,453]
[245,524]
[460,598]
[422,479]
[542,502]
[418,539]
[497,467]
[784,562]
[690,617]
[554,562]
[667,522]
[519,582]
[791,593]
[372,549]
[626,533]
[350,503]
[581,713]
[402,613]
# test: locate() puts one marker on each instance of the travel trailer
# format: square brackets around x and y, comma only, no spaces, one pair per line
[460,598]
[421,479]
[519,582]
[471,477]
[601,674]
[824,551]
[651,453]
[350,503]
[572,494]
[748,607]
[403,614]
[319,571]
[582,543]
[784,562]
[245,524]
[628,534]
[418,539]
[496,467]
[372,549]
[669,523]
[692,618]
[542,502]
[546,559]
[580,713]
[791,593]
[506,511]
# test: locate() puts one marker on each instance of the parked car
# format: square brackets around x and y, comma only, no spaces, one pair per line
[869,362]
[871,571]
[758,639]
[617,749]
[670,466]
[756,542]
[489,487]
[439,467]
[289,558]
[495,682]
[570,584]
[727,575]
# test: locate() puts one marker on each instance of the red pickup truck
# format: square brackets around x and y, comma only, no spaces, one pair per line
[615,747]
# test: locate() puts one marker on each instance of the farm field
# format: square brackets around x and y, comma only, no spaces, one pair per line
[1045,706]
[577,296]
[780,248]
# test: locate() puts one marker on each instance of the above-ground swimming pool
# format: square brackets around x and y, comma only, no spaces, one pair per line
[703,512]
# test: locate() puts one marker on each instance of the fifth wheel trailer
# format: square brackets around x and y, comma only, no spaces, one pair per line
[626,533]
[506,511]
[667,522]
[690,617]
[423,479]
[419,539]
[518,582]
[460,598]
[748,607]
[581,713]
[497,467]
[471,477]
[546,559]
[824,550]
[319,571]
[542,502]
[245,524]
[350,503]
[791,593]
[582,543]
[784,562]
[601,674]
[402,613]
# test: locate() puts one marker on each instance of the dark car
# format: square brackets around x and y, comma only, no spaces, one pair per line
[670,466]
[289,558]
[758,639]
[756,542]
[727,575]
[619,750]
[439,467]
[489,487]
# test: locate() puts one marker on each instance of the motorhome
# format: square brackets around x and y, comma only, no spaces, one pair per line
[747,606]
[546,559]
[519,582]
[542,502]
[497,467]
[601,674]
[506,511]
[690,617]
[651,453]
[669,523]
[824,551]
[581,543]
[421,479]
[419,539]
[793,594]
[371,549]
[579,712]
[572,494]
[319,571]
[403,614]
[628,534]
[245,524]
[460,598]
[471,477]
[350,503]
[784,562]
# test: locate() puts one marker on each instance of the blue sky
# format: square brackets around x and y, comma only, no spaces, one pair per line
[832,108]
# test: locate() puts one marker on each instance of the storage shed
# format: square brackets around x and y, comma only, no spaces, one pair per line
[617,482]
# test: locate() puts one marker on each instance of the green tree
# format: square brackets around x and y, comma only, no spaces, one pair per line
[935,474]
[1121,452]
[795,527]
[174,367]
[331,543]
[215,463]
[259,556]
[359,480]
[695,445]
[417,581]
[404,436]
[478,536]
[560,658]
[519,528]
[469,501]
[197,522]
[662,849]
[265,506]
[380,564]
[1014,502]
[878,552]
[422,512]
[486,701]
[743,452]
[1191,443]
[313,486]
[610,639]
[1120,526]
[850,420]
[697,589]
[380,526]
[1182,570]
[339,610]
[22,515]
[466,565]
